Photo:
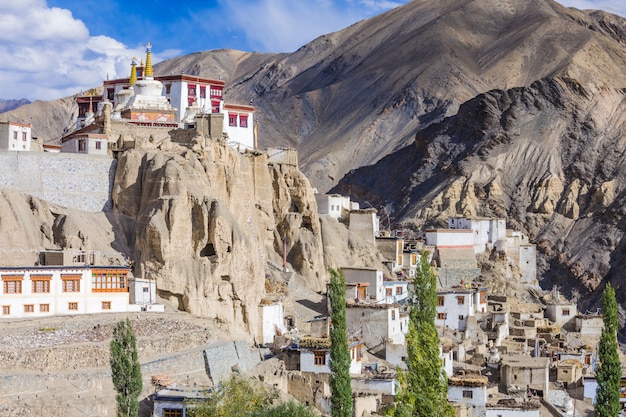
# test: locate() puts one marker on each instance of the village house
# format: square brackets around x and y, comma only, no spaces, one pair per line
[174,400]
[470,389]
[365,224]
[39,291]
[395,291]
[518,373]
[272,321]
[589,325]
[569,372]
[392,249]
[486,232]
[312,354]
[559,310]
[377,325]
[86,143]
[15,136]
[454,255]
[371,276]
[456,305]
[335,205]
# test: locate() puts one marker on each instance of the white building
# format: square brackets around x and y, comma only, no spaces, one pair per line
[377,324]
[189,95]
[49,290]
[469,389]
[272,322]
[316,360]
[450,238]
[396,291]
[455,305]
[372,276]
[335,205]
[15,136]
[486,232]
[86,143]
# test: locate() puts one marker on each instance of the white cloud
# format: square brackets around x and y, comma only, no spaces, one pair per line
[48,54]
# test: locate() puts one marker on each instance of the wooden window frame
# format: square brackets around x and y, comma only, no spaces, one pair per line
[43,281]
[172,412]
[460,299]
[243,120]
[441,300]
[232,119]
[44,308]
[442,316]
[29,308]
[319,358]
[75,279]
[12,284]
[6,310]
[72,306]
[106,305]
[399,291]
[109,280]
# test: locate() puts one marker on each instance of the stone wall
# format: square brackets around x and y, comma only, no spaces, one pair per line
[75,181]
[224,359]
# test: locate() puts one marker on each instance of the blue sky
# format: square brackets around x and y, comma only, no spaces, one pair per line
[55,48]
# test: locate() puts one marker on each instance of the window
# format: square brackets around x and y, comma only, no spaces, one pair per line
[243,120]
[191,90]
[467,394]
[41,283]
[106,305]
[6,310]
[319,358]
[442,316]
[440,300]
[168,88]
[414,259]
[29,308]
[82,145]
[12,284]
[216,92]
[169,412]
[203,91]
[109,280]
[398,290]
[389,292]
[566,311]
[483,297]
[232,119]
[461,299]
[15,135]
[461,316]
[98,145]
[393,314]
[23,136]
[44,308]
[72,306]
[71,283]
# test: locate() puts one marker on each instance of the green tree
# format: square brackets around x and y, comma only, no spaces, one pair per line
[125,369]
[341,391]
[423,387]
[609,372]
[240,397]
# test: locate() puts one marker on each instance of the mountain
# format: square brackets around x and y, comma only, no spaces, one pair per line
[481,107]
[6,105]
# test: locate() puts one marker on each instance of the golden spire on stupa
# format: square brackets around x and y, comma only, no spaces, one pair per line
[133,72]
[148,71]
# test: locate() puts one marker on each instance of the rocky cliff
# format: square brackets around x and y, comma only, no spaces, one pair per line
[548,157]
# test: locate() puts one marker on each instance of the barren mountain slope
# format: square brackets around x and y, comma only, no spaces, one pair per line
[551,157]
[351,97]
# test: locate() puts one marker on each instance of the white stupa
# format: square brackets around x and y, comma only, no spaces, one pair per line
[147,103]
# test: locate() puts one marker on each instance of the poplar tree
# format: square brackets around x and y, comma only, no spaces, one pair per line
[609,373]
[341,391]
[424,386]
[125,369]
